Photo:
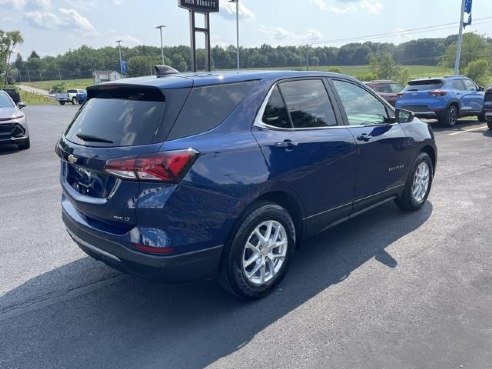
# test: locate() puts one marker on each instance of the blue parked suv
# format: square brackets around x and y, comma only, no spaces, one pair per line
[445,99]
[185,176]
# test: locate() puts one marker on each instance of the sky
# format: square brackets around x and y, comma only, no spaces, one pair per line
[52,27]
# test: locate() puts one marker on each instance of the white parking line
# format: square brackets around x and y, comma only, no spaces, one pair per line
[466,130]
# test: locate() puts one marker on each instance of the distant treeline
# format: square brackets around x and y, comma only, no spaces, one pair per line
[82,62]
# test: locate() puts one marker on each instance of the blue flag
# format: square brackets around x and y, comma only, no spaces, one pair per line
[468,9]
[123,67]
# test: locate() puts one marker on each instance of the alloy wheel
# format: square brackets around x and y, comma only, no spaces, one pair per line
[265,252]
[421,180]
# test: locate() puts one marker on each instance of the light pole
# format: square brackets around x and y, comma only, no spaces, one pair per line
[119,48]
[162,47]
[237,32]
[460,40]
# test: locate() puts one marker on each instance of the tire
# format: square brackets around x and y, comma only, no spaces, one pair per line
[25,144]
[489,124]
[252,267]
[481,117]
[74,100]
[418,184]
[449,117]
[62,102]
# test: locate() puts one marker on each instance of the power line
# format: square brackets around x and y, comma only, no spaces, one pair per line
[410,31]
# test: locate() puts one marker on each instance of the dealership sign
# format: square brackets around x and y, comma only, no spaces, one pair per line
[200,6]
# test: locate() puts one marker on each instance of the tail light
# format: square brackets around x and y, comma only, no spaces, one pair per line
[154,249]
[168,166]
[438,93]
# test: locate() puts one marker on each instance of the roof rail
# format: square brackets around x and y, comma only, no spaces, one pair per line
[164,70]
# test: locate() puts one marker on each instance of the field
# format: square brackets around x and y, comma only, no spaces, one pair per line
[415,71]
[35,99]
[70,83]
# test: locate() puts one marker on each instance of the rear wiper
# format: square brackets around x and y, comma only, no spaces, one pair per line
[90,138]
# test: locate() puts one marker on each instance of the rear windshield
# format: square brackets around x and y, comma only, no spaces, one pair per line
[118,116]
[421,85]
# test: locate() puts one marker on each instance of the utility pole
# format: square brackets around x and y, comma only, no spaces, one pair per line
[162,47]
[460,40]
[307,56]
[237,32]
[119,48]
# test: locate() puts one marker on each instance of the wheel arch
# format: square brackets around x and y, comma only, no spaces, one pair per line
[455,103]
[289,203]
[432,154]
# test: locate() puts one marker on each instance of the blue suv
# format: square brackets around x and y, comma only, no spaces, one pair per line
[445,99]
[185,176]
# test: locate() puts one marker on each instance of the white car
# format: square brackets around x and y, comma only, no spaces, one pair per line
[13,124]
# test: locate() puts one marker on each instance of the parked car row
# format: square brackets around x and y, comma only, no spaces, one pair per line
[445,99]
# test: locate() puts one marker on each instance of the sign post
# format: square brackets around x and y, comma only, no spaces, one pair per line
[204,7]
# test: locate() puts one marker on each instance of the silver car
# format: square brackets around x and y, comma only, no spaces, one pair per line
[13,124]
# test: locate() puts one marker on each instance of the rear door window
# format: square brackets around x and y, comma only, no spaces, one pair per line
[208,106]
[118,116]
[361,107]
[299,104]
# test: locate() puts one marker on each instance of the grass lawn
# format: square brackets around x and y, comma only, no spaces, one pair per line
[71,83]
[35,99]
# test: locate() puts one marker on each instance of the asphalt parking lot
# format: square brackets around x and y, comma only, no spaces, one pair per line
[385,290]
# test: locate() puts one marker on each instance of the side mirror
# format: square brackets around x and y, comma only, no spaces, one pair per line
[404,116]
[481,88]
[21,105]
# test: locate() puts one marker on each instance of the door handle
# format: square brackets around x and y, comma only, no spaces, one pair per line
[286,144]
[364,137]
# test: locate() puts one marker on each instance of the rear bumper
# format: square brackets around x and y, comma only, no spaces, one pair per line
[179,268]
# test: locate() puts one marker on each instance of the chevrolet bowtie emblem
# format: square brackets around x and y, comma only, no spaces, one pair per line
[72,159]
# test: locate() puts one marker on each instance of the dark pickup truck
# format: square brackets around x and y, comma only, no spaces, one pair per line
[487,107]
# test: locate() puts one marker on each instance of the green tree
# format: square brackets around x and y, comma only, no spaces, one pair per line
[474,47]
[8,41]
[477,70]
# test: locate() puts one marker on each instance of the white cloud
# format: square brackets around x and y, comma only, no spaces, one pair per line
[68,20]
[26,4]
[16,4]
[130,41]
[73,19]
[371,6]
[321,4]
[228,10]
[42,4]
[281,34]
[46,20]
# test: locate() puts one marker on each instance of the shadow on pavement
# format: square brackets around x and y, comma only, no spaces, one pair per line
[134,323]
[9,149]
